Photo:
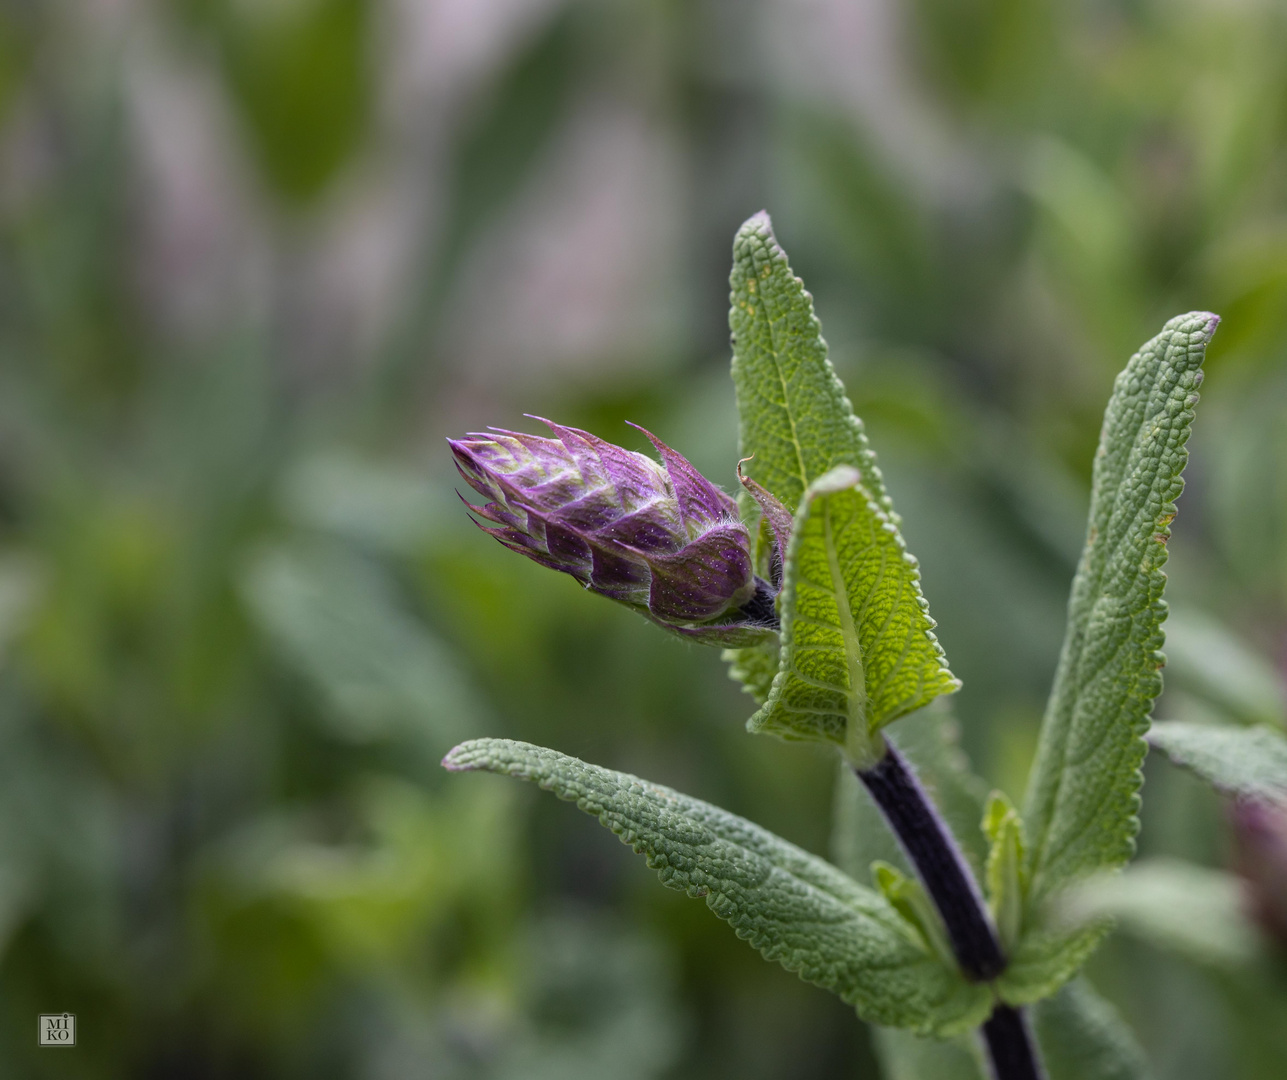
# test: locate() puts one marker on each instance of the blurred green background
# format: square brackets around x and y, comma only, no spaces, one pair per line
[258,257]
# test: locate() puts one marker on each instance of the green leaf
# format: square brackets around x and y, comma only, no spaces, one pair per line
[791,906]
[876,656]
[857,649]
[335,619]
[907,896]
[1179,906]
[1205,657]
[1049,954]
[795,423]
[1006,878]
[1081,1036]
[904,1056]
[754,667]
[1083,796]
[371,504]
[301,75]
[1251,762]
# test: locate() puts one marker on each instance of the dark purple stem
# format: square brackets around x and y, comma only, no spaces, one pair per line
[760,608]
[1010,1047]
[933,851]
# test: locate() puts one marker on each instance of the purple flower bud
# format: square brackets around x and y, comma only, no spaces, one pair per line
[658,537]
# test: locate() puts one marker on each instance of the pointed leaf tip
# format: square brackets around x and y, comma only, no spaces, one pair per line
[873,657]
[857,648]
[1204,322]
[790,905]
[841,478]
[454,760]
[1081,809]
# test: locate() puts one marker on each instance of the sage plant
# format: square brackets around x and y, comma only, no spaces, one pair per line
[818,605]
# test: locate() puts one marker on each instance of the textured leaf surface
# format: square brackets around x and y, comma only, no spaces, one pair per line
[1081,1035]
[1005,874]
[1047,957]
[1189,909]
[857,650]
[907,896]
[1083,797]
[796,426]
[795,422]
[755,667]
[792,906]
[1242,761]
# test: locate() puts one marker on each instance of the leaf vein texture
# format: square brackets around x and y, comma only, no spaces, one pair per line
[790,905]
[798,431]
[1082,803]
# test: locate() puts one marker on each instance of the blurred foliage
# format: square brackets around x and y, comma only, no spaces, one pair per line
[257,258]
[298,73]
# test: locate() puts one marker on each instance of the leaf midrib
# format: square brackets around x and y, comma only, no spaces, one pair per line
[1097,570]
[775,353]
[857,692]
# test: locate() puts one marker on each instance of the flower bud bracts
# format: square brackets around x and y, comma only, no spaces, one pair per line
[656,536]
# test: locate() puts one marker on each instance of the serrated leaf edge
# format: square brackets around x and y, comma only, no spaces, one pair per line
[488,754]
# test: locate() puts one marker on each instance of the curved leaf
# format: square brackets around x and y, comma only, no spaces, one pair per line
[1251,761]
[1048,956]
[795,422]
[1005,874]
[796,427]
[1083,796]
[793,907]
[857,646]
[1179,906]
[1081,1035]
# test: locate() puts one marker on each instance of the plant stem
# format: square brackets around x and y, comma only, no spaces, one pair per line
[1010,1046]
[937,857]
[934,853]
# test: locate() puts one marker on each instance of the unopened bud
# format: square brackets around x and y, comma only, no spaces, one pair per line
[656,536]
